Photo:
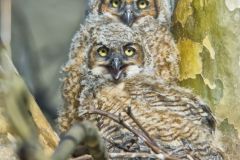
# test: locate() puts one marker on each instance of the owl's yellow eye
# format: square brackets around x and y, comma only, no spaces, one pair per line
[143,4]
[103,51]
[115,3]
[129,52]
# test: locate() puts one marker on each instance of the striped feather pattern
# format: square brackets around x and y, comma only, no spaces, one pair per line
[170,115]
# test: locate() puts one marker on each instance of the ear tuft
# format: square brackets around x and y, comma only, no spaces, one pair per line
[94,6]
[166,8]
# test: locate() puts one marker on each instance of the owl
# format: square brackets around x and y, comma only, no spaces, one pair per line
[135,109]
[149,18]
[155,37]
[130,12]
[170,129]
[162,55]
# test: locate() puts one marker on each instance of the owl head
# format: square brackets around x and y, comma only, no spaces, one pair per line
[131,11]
[116,52]
[117,62]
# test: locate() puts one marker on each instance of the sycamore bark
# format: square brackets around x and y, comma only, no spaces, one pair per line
[208,36]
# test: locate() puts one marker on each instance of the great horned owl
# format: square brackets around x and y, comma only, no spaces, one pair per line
[131,11]
[149,17]
[160,110]
[156,39]
[117,73]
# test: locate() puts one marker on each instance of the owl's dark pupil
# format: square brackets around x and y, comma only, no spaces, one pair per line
[115,3]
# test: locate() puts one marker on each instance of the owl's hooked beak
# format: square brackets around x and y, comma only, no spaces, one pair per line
[115,67]
[128,16]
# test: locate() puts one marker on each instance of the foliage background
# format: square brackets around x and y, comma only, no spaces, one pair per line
[41,37]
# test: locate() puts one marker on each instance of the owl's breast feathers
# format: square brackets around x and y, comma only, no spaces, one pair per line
[148,92]
[172,116]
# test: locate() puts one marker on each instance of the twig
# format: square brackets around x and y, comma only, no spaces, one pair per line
[139,155]
[116,145]
[130,114]
[85,157]
[119,120]
[81,133]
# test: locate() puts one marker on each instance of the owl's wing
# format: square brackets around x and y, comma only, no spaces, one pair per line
[72,77]
[172,98]
[170,131]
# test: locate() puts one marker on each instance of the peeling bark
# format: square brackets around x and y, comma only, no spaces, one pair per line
[213,72]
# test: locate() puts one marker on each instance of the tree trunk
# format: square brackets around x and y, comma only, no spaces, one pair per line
[208,35]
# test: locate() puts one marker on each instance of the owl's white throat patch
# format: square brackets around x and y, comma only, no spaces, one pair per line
[133,70]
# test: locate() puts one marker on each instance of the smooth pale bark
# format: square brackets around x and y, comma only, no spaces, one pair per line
[208,37]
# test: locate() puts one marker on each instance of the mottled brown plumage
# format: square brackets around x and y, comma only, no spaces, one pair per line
[116,70]
[151,21]
[159,43]
[161,10]
[160,109]
[156,40]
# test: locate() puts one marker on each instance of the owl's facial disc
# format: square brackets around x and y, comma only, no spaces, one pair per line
[129,11]
[116,63]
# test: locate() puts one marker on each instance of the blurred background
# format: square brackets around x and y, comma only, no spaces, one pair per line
[41,36]
[207,33]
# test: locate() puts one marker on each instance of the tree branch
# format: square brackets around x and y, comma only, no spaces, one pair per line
[17,103]
[23,113]
[84,133]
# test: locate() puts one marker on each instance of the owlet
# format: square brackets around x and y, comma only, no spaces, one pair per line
[122,94]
